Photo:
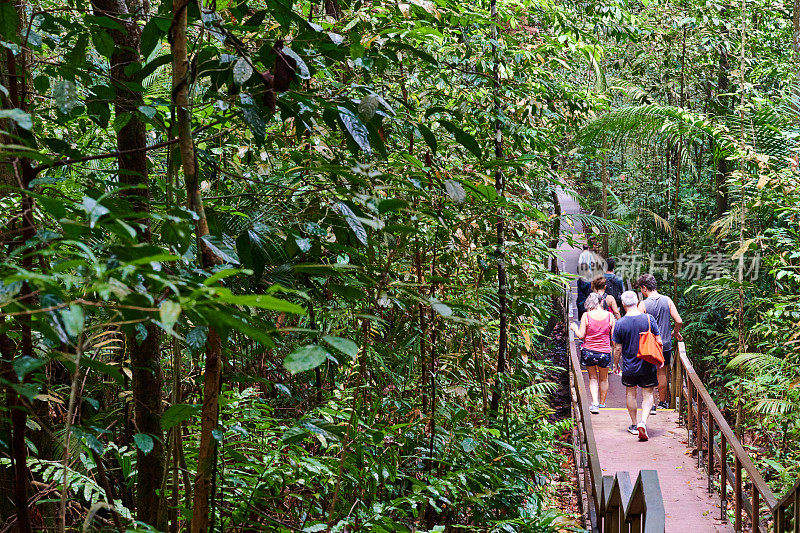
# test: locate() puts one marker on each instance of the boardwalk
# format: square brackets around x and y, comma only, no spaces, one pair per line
[689,506]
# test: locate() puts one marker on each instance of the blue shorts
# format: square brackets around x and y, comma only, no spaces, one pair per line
[592,358]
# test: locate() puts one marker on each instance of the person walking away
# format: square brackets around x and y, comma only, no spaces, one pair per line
[586,265]
[607,301]
[662,308]
[596,329]
[614,284]
[635,371]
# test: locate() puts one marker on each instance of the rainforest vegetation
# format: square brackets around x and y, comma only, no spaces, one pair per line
[280,265]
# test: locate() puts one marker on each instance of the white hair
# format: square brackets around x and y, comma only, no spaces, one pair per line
[629,299]
[592,301]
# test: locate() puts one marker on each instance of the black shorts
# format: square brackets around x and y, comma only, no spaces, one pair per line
[645,379]
[593,358]
[667,357]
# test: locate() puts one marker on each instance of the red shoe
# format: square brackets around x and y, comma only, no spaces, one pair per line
[642,431]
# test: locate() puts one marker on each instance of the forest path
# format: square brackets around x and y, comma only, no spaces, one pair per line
[688,505]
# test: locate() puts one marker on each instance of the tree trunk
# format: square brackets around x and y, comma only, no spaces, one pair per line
[147,375]
[604,177]
[20,173]
[499,184]
[212,377]
[721,109]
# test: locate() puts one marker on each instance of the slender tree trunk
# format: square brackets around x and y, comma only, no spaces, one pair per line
[212,376]
[145,356]
[722,109]
[499,184]
[20,174]
[742,218]
[678,164]
[796,35]
[332,9]
[604,178]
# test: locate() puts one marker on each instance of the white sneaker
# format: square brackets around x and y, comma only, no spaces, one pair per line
[642,428]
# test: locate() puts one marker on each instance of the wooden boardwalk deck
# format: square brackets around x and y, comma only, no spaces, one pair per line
[688,505]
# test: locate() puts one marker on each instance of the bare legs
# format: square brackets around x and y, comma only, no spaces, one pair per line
[647,403]
[663,383]
[593,385]
[630,402]
[598,384]
[602,374]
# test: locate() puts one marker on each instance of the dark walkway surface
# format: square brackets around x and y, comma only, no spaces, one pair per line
[688,505]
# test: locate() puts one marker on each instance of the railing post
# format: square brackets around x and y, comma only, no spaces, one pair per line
[754,517]
[690,411]
[675,386]
[778,518]
[710,459]
[737,495]
[700,434]
[723,476]
[797,510]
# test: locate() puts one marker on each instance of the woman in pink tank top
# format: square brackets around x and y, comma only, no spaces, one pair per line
[596,329]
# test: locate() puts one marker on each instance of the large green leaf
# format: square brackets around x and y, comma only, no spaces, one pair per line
[178,413]
[355,128]
[463,138]
[8,22]
[305,358]
[346,346]
[263,301]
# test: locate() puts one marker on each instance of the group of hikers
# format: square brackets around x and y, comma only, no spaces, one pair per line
[612,320]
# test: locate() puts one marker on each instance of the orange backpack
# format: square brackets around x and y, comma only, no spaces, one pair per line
[650,349]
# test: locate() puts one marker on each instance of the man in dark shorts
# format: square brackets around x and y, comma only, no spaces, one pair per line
[662,308]
[635,372]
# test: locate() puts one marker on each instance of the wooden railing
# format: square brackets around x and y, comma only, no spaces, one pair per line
[611,504]
[636,509]
[725,462]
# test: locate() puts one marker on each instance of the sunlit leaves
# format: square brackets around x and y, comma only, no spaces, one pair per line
[355,129]
[19,116]
[242,70]
[353,221]
[66,97]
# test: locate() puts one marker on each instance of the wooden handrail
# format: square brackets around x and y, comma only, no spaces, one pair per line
[705,423]
[719,422]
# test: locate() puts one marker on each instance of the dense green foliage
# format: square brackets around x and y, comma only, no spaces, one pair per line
[366,174]
[280,266]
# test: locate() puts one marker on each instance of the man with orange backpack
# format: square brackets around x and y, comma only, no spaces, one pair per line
[663,309]
[636,369]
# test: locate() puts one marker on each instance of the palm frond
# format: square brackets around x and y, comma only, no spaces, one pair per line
[759,363]
[654,124]
[629,89]
[660,222]
[720,293]
[604,225]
